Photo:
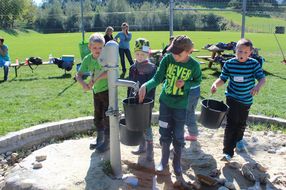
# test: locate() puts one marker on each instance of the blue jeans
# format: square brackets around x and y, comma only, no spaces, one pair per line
[5,64]
[122,58]
[171,123]
[191,122]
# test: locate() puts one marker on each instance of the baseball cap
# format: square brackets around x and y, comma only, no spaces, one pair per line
[180,44]
[141,44]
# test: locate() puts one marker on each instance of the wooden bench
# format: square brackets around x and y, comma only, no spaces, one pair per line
[18,66]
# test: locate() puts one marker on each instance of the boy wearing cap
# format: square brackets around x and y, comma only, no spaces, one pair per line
[241,72]
[178,70]
[142,71]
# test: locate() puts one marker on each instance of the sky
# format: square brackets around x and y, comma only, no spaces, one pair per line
[38,1]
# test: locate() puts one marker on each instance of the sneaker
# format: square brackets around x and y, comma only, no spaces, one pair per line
[240,146]
[226,158]
[191,138]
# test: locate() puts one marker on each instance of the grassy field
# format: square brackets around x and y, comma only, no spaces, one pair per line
[47,95]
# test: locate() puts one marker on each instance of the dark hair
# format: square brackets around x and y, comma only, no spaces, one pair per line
[124,24]
[2,39]
[244,42]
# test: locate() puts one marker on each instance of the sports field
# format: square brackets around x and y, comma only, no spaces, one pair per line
[47,95]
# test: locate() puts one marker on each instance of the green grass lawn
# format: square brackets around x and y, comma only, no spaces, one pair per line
[46,95]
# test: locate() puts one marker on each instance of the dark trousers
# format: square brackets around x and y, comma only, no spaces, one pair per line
[235,125]
[122,58]
[100,103]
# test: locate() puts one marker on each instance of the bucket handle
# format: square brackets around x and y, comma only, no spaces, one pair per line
[210,96]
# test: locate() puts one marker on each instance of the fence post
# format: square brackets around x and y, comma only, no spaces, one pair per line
[171,19]
[243,18]
[82,25]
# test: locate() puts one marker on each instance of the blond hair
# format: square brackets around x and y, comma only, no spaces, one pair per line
[96,38]
[109,28]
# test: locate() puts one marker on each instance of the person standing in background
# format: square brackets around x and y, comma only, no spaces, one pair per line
[4,58]
[124,45]
[108,34]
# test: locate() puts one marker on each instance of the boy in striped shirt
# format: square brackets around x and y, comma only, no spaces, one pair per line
[241,72]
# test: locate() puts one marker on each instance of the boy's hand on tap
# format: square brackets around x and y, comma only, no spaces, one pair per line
[142,93]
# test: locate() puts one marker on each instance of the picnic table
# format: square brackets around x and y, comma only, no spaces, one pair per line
[64,58]
[215,51]
[17,66]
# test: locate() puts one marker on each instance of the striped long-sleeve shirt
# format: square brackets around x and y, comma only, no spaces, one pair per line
[241,77]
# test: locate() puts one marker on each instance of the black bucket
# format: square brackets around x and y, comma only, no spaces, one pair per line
[212,113]
[127,137]
[138,116]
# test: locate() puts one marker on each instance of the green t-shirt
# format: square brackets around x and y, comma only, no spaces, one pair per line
[170,71]
[89,64]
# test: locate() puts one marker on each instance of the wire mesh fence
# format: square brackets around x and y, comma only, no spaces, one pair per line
[53,16]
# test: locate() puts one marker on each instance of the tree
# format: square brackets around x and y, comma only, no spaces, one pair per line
[11,10]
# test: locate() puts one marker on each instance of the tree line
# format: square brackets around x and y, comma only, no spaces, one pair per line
[65,15]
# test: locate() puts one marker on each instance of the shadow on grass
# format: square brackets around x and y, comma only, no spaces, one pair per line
[64,76]
[66,88]
[271,74]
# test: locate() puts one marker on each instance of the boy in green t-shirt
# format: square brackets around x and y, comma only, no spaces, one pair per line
[99,85]
[178,71]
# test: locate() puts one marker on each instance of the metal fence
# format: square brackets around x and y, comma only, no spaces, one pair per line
[192,15]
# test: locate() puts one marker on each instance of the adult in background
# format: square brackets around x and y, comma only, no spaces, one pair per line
[4,58]
[108,34]
[124,45]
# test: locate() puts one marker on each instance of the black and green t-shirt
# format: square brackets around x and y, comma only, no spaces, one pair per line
[169,72]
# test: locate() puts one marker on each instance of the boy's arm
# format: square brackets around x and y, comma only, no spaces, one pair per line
[102,75]
[84,85]
[197,78]
[159,76]
[219,82]
[155,81]
[256,89]
[83,68]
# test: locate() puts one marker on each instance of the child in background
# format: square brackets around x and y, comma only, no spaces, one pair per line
[108,34]
[142,71]
[4,58]
[100,91]
[241,72]
[179,71]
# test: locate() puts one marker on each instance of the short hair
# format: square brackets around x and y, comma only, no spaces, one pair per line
[96,38]
[124,24]
[244,42]
[2,39]
[109,28]
[180,44]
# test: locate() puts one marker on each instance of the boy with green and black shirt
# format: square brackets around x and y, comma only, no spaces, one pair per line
[179,71]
